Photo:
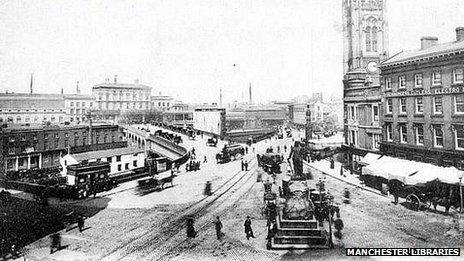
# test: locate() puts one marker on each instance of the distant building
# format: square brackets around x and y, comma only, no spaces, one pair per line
[113,98]
[122,160]
[77,106]
[40,146]
[210,120]
[24,108]
[423,103]
[299,112]
[162,102]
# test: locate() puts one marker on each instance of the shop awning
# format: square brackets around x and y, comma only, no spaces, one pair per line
[369,158]
[411,172]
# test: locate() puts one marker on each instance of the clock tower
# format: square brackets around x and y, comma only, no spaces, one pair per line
[365,45]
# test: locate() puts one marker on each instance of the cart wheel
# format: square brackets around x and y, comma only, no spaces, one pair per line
[413,202]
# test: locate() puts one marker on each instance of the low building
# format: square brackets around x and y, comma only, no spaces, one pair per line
[423,103]
[121,160]
[40,146]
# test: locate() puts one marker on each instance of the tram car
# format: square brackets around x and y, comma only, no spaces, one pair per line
[230,153]
[270,162]
[89,178]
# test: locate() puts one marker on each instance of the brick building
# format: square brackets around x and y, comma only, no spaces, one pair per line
[40,146]
[423,103]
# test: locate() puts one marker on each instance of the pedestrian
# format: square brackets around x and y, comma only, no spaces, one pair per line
[55,242]
[338,224]
[248,229]
[278,149]
[243,165]
[341,170]
[253,149]
[193,151]
[191,233]
[332,163]
[80,223]
[285,148]
[204,161]
[218,225]
[246,165]
[14,251]
[246,150]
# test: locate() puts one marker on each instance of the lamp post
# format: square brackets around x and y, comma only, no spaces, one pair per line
[460,175]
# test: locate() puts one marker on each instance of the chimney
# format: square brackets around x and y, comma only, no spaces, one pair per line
[459,34]
[428,41]
[78,91]
[62,91]
[115,79]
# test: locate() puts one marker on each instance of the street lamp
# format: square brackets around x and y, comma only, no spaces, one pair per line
[460,176]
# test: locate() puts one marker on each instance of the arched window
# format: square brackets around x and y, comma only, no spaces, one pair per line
[368,39]
[374,39]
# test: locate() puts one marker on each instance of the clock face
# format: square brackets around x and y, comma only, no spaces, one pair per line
[372,67]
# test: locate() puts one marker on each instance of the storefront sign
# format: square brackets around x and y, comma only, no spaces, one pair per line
[439,91]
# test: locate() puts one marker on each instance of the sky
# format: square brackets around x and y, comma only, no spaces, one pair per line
[192,49]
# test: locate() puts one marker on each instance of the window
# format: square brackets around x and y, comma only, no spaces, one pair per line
[18,119]
[389,132]
[402,81]
[66,134]
[353,137]
[135,163]
[436,78]
[375,112]
[127,166]
[437,105]
[353,112]
[403,105]
[389,106]
[11,150]
[459,104]
[71,111]
[83,104]
[459,135]
[91,104]
[374,39]
[376,139]
[66,143]
[418,80]
[28,119]
[72,104]
[420,135]
[368,39]
[388,83]
[52,119]
[57,136]
[419,105]
[46,136]
[159,104]
[109,159]
[458,75]
[118,158]
[119,167]
[403,133]
[437,136]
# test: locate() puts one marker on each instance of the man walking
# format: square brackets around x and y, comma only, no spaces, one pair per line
[248,230]
[80,223]
[218,225]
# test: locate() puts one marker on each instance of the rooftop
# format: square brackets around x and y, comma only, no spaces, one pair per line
[426,53]
[108,85]
[99,154]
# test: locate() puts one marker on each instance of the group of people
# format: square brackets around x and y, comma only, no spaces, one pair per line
[191,233]
[244,165]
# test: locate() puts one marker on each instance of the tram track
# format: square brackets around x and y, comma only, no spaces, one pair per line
[174,223]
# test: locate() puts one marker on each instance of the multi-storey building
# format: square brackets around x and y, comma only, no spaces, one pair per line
[162,102]
[40,146]
[210,120]
[32,108]
[423,107]
[365,44]
[78,106]
[21,108]
[113,98]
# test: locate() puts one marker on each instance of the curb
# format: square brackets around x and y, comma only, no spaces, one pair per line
[345,181]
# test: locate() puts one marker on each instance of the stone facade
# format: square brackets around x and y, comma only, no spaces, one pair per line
[365,45]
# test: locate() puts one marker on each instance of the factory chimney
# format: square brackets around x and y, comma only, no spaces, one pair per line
[115,79]
[32,83]
[78,91]
[251,100]
[220,97]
